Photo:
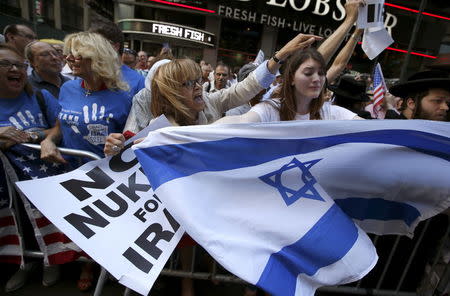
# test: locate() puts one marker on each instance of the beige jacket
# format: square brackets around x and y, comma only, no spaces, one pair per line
[217,103]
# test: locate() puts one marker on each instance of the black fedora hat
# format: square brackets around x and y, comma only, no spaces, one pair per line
[351,89]
[421,81]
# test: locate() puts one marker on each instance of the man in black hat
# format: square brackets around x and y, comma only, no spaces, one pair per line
[351,94]
[426,95]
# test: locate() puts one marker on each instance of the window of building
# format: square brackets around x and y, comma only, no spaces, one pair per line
[72,15]
[10,7]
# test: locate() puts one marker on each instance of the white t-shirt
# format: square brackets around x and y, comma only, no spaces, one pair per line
[269,111]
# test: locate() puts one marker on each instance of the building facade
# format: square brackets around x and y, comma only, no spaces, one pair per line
[234,30]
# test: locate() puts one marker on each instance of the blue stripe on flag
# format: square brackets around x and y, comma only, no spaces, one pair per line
[378,209]
[325,243]
[169,162]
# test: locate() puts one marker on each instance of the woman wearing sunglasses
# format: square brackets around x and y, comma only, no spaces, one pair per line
[93,106]
[98,103]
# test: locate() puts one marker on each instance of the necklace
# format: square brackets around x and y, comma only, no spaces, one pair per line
[89,92]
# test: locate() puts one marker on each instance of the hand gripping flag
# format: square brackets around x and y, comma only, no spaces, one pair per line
[259,198]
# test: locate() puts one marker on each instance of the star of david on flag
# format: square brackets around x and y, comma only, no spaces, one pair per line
[291,195]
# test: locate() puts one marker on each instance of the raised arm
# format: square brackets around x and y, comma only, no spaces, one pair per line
[259,79]
[301,41]
[331,44]
[344,56]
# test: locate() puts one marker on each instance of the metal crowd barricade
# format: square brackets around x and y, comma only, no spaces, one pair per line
[359,288]
[386,267]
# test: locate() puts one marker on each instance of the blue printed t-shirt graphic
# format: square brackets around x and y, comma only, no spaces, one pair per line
[87,119]
[286,173]
[24,113]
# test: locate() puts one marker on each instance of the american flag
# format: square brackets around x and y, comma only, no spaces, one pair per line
[27,165]
[379,89]
[10,240]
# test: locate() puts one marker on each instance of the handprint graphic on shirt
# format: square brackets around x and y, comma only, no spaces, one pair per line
[92,115]
[23,120]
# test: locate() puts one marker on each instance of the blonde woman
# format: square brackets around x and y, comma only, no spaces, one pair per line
[97,104]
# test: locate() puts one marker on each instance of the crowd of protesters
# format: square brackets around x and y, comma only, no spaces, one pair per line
[88,91]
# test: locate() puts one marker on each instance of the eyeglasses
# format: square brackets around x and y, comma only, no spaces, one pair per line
[9,65]
[53,53]
[71,58]
[130,51]
[191,83]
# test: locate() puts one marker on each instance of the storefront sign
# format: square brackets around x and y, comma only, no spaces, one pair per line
[299,25]
[167,30]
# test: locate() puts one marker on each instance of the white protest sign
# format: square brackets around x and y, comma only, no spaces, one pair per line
[375,41]
[376,38]
[108,208]
[371,14]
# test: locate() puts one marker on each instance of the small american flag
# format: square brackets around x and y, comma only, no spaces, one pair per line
[379,89]
[26,164]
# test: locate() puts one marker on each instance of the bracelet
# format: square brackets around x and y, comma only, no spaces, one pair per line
[356,38]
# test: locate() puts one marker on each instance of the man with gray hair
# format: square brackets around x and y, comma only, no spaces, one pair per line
[47,66]
[142,60]
[18,36]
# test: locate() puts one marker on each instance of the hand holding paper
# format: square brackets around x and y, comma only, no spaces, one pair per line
[376,38]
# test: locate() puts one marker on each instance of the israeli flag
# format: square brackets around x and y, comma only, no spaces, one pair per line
[260,198]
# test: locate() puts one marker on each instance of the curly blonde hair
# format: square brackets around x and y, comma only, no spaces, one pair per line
[167,96]
[105,62]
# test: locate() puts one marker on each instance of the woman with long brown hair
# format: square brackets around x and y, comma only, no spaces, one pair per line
[300,97]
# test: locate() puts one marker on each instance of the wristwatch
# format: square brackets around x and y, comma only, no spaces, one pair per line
[34,137]
[37,136]
[277,60]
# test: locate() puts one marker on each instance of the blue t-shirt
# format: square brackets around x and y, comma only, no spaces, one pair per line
[134,79]
[87,119]
[24,112]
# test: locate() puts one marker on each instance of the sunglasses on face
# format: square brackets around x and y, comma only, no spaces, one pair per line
[71,58]
[192,83]
[9,65]
[130,51]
